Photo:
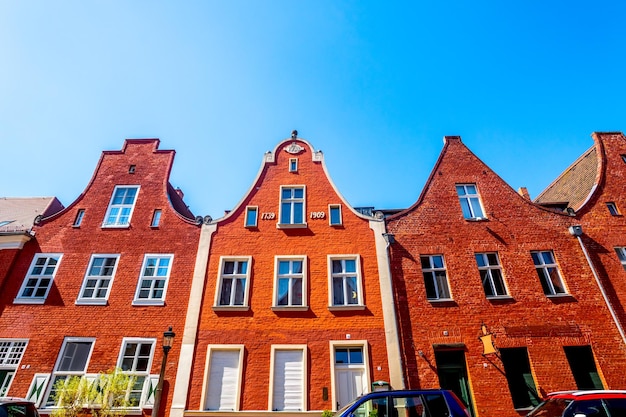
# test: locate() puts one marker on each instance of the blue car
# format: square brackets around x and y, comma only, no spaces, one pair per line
[405,403]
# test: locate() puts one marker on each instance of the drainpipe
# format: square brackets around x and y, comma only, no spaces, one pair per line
[578,231]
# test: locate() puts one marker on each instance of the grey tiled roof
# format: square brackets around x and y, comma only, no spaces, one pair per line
[17,214]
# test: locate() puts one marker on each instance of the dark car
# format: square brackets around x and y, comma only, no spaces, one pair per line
[405,403]
[597,403]
[17,407]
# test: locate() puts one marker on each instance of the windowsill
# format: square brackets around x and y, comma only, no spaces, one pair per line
[499,297]
[87,302]
[231,308]
[29,300]
[441,300]
[336,225]
[290,308]
[251,226]
[148,302]
[291,225]
[115,226]
[477,219]
[347,308]
[566,295]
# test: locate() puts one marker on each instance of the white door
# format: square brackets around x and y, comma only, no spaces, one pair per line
[350,384]
[223,381]
[288,394]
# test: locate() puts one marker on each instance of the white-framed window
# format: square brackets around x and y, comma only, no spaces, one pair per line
[153,279]
[11,352]
[252,216]
[79,217]
[470,201]
[121,206]
[98,279]
[435,277]
[156,218]
[621,254]
[223,375]
[293,164]
[292,206]
[349,377]
[72,361]
[288,369]
[345,281]
[548,271]
[612,209]
[491,274]
[334,217]
[232,289]
[290,281]
[39,279]
[136,359]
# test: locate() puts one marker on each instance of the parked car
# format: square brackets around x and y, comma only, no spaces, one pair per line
[405,403]
[17,407]
[597,403]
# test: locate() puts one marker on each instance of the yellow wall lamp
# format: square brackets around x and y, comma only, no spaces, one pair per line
[486,338]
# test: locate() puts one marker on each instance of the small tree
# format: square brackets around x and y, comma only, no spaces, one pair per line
[107,395]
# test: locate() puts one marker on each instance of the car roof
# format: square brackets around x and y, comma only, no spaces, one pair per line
[14,400]
[588,394]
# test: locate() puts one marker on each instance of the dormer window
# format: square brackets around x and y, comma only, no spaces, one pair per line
[121,206]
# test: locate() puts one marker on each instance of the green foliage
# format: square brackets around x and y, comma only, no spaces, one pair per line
[373,413]
[105,396]
[327,413]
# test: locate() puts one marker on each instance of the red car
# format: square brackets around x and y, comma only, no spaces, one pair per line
[597,403]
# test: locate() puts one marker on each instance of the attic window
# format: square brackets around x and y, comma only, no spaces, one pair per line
[156,218]
[623,157]
[612,209]
[293,164]
[131,169]
[79,217]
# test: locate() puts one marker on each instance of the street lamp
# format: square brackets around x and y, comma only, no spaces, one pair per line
[168,339]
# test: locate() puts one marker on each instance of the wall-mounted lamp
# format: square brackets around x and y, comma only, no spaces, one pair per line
[389,238]
[487,339]
[576,230]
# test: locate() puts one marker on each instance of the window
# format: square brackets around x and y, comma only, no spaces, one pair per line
[121,206]
[79,217]
[11,352]
[621,254]
[97,283]
[519,377]
[292,207]
[583,366]
[349,377]
[491,274]
[612,209]
[156,218]
[38,281]
[548,272]
[435,277]
[293,164]
[155,274]
[470,201]
[72,361]
[233,289]
[251,216]
[335,214]
[290,283]
[224,365]
[288,378]
[136,360]
[345,280]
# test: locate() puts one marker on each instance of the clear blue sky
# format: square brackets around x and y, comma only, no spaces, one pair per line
[374,85]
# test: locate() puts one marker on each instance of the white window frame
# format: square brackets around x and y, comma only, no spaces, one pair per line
[330,214]
[145,374]
[156,218]
[247,216]
[11,354]
[292,201]
[80,214]
[235,276]
[432,272]
[360,304]
[207,370]
[303,276]
[470,202]
[32,299]
[152,279]
[120,207]
[362,344]
[94,299]
[57,373]
[282,348]
[293,164]
[543,271]
[621,255]
[491,272]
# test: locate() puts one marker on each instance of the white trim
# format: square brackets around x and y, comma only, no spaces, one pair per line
[166,278]
[207,370]
[81,300]
[105,224]
[256,219]
[366,365]
[305,373]
[15,241]
[293,162]
[38,300]
[304,274]
[38,388]
[330,216]
[218,287]
[8,367]
[292,200]
[359,281]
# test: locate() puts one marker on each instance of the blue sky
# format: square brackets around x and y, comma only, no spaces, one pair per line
[374,85]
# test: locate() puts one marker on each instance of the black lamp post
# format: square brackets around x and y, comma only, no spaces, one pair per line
[168,339]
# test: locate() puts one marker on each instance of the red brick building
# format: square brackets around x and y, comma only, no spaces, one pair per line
[474,259]
[101,281]
[289,316]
